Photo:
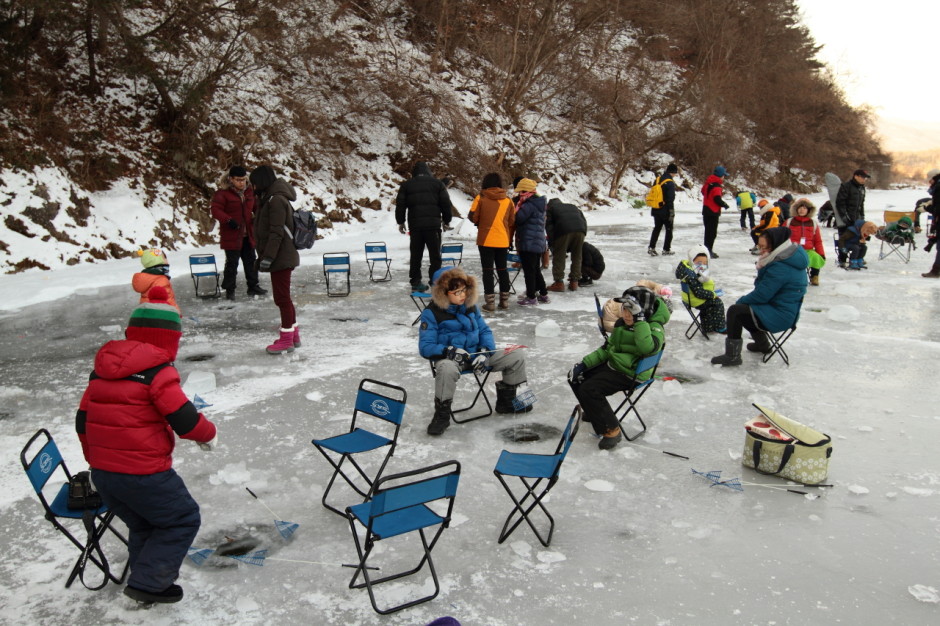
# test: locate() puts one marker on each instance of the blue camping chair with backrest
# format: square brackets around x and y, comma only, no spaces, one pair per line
[401,504]
[376,256]
[511,259]
[695,314]
[205,275]
[383,405]
[632,396]
[335,270]
[452,252]
[40,467]
[538,474]
[480,391]
[421,300]
[778,339]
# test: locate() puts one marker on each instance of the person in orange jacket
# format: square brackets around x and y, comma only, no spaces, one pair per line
[495,218]
[156,272]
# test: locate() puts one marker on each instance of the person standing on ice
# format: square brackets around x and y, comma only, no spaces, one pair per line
[233,206]
[712,204]
[850,205]
[774,302]
[664,215]
[127,421]
[494,215]
[423,200]
[933,177]
[530,242]
[455,336]
[274,233]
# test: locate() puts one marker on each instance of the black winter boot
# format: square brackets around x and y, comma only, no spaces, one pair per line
[732,355]
[441,419]
[505,394]
[760,344]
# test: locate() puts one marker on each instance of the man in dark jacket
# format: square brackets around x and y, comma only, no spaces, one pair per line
[850,205]
[712,204]
[233,206]
[566,228]
[128,419]
[666,212]
[784,205]
[592,265]
[424,200]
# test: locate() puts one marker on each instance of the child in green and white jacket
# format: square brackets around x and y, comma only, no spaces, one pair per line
[698,290]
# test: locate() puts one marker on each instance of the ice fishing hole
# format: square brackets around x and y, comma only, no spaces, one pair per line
[525,433]
[237,546]
[200,357]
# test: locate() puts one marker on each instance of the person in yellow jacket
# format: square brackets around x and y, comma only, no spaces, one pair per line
[769,218]
[495,219]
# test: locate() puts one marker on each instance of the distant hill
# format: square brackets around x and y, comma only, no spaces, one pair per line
[908,136]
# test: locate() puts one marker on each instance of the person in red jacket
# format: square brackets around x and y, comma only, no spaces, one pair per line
[805,231]
[712,204]
[233,206]
[126,422]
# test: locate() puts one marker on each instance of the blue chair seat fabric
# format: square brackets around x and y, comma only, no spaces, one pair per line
[353,443]
[398,522]
[526,464]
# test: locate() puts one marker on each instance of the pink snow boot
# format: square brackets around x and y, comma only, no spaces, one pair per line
[284,344]
[296,336]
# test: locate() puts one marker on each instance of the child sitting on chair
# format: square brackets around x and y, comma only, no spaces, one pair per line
[612,367]
[698,290]
[156,272]
[854,242]
[455,336]
[900,232]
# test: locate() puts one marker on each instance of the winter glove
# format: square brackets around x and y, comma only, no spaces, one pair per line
[631,304]
[458,356]
[639,317]
[265,264]
[233,225]
[208,446]
[478,363]
[576,374]
[401,229]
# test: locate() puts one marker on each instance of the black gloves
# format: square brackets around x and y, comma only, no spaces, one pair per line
[458,356]
[233,225]
[576,374]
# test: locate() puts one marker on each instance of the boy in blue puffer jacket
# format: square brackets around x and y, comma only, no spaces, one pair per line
[455,336]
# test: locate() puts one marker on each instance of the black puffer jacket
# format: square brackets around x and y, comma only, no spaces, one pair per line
[562,219]
[423,199]
[850,203]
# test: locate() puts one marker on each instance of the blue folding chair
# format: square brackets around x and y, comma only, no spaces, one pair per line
[376,255]
[203,269]
[335,268]
[538,474]
[387,408]
[778,339]
[39,468]
[511,259]
[632,396]
[452,252]
[481,391]
[398,507]
[421,300]
[695,314]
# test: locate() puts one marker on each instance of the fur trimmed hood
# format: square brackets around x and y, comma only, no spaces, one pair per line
[442,280]
[811,208]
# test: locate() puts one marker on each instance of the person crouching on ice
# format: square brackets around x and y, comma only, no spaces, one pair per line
[455,336]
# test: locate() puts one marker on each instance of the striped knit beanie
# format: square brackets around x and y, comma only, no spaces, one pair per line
[156,322]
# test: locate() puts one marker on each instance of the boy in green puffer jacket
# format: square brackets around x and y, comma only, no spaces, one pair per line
[612,367]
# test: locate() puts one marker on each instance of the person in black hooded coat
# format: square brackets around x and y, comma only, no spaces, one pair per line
[424,201]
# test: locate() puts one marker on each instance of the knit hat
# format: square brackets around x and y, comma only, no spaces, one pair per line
[762,203]
[695,251]
[492,180]
[152,257]
[933,173]
[787,197]
[643,295]
[262,177]
[156,323]
[526,184]
[237,171]
[720,171]
[777,236]
[905,222]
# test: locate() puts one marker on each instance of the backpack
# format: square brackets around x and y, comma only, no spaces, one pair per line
[654,197]
[305,229]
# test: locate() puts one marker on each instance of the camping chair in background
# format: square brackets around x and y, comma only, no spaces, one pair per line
[696,315]
[538,474]
[452,252]
[335,267]
[481,391]
[376,256]
[385,405]
[897,246]
[401,504]
[203,269]
[39,468]
[421,300]
[632,396]
[511,258]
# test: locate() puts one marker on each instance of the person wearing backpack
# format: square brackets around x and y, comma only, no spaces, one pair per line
[805,231]
[665,212]
[746,201]
[274,231]
[712,204]
[233,206]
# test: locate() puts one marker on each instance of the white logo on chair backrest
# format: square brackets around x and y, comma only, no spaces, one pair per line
[45,463]
[380,407]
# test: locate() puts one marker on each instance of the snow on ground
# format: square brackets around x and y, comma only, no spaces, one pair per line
[638,539]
